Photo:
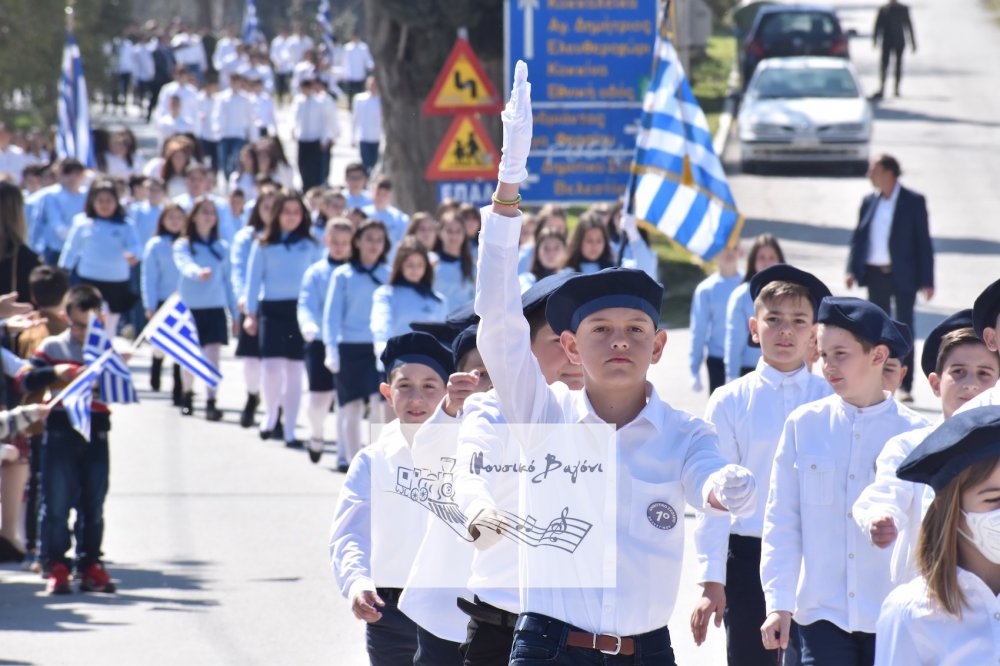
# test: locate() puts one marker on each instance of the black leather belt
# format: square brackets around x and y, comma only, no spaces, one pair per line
[482,611]
[389,594]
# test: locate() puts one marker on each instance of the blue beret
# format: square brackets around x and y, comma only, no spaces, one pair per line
[932,345]
[785,273]
[864,319]
[417,348]
[583,295]
[963,440]
[446,331]
[538,294]
[986,308]
[463,344]
[901,345]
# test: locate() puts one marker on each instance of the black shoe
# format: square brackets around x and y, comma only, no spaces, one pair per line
[315,449]
[154,374]
[249,409]
[178,391]
[212,413]
[278,432]
[187,403]
[293,443]
[343,467]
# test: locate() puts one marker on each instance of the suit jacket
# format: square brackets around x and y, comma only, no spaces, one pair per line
[910,248]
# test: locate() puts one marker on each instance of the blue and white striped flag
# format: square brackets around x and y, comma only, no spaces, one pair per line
[173,330]
[677,183]
[325,20]
[251,28]
[73,134]
[116,380]
[78,395]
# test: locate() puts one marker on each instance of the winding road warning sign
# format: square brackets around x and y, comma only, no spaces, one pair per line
[462,86]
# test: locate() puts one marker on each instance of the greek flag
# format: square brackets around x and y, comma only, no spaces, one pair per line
[73,134]
[251,28]
[173,330]
[677,183]
[79,394]
[324,18]
[116,380]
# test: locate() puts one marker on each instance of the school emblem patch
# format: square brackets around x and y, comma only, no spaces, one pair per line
[661,515]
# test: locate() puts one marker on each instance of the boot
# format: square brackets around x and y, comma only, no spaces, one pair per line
[178,392]
[212,413]
[249,409]
[154,374]
[187,403]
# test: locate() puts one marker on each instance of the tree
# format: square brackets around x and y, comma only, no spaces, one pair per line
[410,40]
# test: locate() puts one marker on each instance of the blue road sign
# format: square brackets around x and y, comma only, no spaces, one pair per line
[588,62]
[477,192]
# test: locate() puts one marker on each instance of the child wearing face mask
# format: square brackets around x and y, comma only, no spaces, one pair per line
[947,616]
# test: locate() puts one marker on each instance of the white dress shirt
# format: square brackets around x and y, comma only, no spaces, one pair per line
[13,161]
[905,501]
[188,95]
[878,238]
[357,60]
[663,455]
[749,414]
[233,115]
[815,562]
[366,549]
[913,630]
[312,119]
[367,121]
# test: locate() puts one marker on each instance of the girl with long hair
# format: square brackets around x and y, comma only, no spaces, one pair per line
[159,279]
[16,258]
[740,356]
[589,248]
[548,256]
[455,274]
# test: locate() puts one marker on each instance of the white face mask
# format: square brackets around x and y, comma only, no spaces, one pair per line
[985,529]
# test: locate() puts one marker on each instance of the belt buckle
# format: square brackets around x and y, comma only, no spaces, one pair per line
[618,645]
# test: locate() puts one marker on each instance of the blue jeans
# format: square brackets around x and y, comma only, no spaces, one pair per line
[74,474]
[539,639]
[823,643]
[229,154]
[392,641]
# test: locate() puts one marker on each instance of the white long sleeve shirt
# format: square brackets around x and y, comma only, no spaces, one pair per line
[905,501]
[233,115]
[356,60]
[367,121]
[188,95]
[749,414]
[663,457]
[312,118]
[881,227]
[815,562]
[915,631]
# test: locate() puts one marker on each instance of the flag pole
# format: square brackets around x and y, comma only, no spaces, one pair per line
[160,315]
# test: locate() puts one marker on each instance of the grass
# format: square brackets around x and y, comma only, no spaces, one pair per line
[993,6]
[710,75]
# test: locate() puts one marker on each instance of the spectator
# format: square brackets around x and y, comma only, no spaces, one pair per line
[891,26]
[16,258]
[12,158]
[367,124]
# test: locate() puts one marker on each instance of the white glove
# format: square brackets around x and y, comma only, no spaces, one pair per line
[8,453]
[516,118]
[332,360]
[696,384]
[736,489]
[310,331]
[630,226]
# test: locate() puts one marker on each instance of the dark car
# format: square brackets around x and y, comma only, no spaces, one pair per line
[792,30]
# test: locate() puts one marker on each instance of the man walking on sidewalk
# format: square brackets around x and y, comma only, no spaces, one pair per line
[891,25]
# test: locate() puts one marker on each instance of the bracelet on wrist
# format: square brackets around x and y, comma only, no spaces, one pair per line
[500,202]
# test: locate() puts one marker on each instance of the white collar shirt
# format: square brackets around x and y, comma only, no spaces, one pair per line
[310,118]
[367,120]
[881,227]
[915,631]
[815,561]
[663,456]
[13,161]
[357,60]
[749,414]
[233,115]
[188,95]
[905,502]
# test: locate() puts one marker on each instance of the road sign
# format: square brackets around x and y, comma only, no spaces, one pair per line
[588,68]
[462,86]
[476,192]
[466,152]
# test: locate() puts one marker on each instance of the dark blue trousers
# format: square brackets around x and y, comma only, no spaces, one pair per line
[392,641]
[716,373]
[435,651]
[539,639]
[823,643]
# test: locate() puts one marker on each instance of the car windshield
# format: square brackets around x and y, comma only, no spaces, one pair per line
[781,83]
[782,25]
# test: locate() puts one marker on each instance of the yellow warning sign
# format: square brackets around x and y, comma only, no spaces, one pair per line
[462,86]
[465,152]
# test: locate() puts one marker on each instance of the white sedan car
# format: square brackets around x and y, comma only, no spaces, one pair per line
[804,109]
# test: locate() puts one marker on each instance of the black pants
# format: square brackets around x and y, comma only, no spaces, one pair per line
[745,608]
[825,644]
[716,373]
[882,291]
[487,643]
[435,651]
[392,641]
[311,158]
[888,51]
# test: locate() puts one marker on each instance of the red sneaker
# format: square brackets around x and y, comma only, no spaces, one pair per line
[96,579]
[58,580]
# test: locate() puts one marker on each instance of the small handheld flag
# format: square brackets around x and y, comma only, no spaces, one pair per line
[116,380]
[173,330]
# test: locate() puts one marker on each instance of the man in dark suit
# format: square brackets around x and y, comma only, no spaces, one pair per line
[891,26]
[891,250]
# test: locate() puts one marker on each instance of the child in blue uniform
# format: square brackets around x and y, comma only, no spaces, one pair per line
[54,211]
[547,257]
[101,248]
[708,320]
[159,279]
[206,289]
[347,334]
[278,261]
[248,346]
[455,276]
[312,294]
[408,297]
[589,249]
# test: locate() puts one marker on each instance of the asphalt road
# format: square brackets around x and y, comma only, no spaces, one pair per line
[218,540]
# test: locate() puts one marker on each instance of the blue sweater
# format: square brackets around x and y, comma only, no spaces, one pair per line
[738,352]
[312,294]
[54,216]
[395,307]
[348,307]
[449,282]
[708,317]
[159,276]
[217,291]
[144,216]
[275,271]
[96,249]
[240,259]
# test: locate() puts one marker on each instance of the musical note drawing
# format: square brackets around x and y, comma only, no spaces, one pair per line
[564,532]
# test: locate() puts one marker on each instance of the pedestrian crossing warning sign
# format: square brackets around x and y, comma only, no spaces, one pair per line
[462,86]
[466,153]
